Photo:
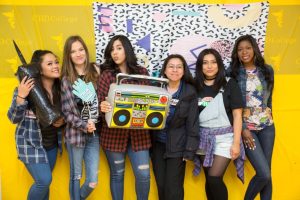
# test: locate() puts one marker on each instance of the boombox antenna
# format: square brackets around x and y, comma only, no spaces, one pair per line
[22,59]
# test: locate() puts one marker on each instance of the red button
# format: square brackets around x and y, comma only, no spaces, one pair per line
[163,99]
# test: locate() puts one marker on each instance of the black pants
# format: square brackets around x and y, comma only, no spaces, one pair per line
[169,173]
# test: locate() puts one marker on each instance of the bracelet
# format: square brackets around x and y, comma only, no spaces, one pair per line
[21,97]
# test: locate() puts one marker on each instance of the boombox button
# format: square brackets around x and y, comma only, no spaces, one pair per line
[163,99]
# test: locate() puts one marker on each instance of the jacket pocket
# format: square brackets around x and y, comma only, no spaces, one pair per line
[178,140]
[183,110]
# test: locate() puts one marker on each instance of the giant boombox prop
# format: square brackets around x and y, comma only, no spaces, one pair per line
[138,106]
[45,112]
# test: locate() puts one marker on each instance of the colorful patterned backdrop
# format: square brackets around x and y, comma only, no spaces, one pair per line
[156,30]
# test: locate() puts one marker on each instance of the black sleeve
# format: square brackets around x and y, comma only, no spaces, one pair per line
[236,98]
[192,128]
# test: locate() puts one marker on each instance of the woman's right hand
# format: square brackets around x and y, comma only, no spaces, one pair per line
[105,106]
[25,87]
[248,139]
[91,126]
[59,122]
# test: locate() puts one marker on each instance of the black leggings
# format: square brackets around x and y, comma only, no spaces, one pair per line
[215,187]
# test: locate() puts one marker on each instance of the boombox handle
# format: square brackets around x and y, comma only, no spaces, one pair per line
[121,77]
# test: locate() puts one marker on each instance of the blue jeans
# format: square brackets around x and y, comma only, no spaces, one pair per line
[90,155]
[140,164]
[42,175]
[52,155]
[260,159]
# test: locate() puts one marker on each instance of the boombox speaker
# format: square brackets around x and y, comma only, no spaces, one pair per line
[138,106]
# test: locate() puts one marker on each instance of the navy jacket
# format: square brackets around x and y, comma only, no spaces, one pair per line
[183,130]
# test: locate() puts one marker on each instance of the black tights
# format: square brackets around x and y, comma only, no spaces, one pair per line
[214,186]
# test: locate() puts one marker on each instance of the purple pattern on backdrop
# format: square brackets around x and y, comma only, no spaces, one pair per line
[193,65]
[129,25]
[145,43]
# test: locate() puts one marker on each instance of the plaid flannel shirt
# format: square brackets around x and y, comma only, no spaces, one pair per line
[28,134]
[116,139]
[76,128]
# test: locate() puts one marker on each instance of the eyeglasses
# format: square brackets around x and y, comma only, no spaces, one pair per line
[178,67]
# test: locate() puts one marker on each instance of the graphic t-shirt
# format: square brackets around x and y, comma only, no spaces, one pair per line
[88,110]
[254,114]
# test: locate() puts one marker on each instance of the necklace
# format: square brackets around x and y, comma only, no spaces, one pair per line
[209,79]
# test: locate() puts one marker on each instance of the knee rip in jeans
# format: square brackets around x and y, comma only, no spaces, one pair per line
[120,170]
[143,167]
[77,177]
[119,161]
[92,184]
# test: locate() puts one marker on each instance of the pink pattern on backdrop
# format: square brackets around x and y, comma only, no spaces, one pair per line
[185,46]
[233,6]
[106,20]
[106,11]
[159,17]
[107,29]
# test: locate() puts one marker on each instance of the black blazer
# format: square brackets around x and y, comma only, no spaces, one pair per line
[183,130]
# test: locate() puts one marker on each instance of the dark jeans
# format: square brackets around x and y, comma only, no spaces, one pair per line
[42,175]
[169,173]
[260,159]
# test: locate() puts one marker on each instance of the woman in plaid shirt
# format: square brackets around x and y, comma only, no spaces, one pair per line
[81,115]
[36,145]
[119,57]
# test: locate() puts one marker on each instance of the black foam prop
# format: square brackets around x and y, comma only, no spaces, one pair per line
[37,98]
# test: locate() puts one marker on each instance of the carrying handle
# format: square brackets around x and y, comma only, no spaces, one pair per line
[122,77]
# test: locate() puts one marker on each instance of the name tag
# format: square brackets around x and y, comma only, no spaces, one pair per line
[200,102]
[174,102]
[204,101]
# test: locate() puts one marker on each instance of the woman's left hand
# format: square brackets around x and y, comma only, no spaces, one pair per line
[59,122]
[105,106]
[235,151]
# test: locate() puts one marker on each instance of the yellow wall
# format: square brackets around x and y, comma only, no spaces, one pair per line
[47,27]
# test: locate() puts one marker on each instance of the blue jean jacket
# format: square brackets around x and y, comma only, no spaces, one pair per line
[242,82]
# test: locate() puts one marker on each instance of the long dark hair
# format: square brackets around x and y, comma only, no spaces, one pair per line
[220,79]
[259,60]
[187,76]
[68,67]
[130,58]
[37,57]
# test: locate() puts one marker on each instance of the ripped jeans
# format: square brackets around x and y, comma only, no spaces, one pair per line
[90,155]
[141,169]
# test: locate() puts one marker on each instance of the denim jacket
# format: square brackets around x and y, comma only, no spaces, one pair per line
[242,82]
